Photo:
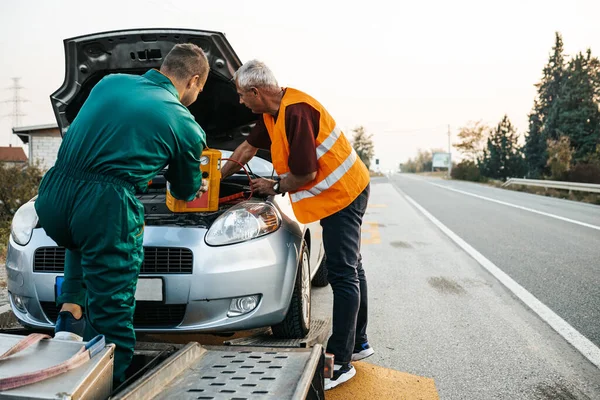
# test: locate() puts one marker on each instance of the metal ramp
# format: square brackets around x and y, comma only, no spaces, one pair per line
[318,334]
[254,367]
[226,373]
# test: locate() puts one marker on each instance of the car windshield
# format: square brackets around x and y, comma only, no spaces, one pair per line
[258,165]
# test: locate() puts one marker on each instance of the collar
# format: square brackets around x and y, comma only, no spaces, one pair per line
[157,77]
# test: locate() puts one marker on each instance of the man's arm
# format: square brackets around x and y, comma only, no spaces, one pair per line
[289,183]
[184,175]
[242,154]
[294,182]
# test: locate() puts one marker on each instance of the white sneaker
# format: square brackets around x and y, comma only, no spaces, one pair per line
[362,351]
[341,373]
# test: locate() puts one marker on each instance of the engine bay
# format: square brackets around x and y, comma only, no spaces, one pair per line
[156,212]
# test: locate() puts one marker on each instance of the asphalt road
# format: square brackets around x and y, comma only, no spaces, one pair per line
[555,260]
[436,312]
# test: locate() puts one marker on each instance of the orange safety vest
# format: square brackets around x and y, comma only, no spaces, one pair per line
[341,175]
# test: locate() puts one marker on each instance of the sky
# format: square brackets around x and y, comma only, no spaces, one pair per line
[408,72]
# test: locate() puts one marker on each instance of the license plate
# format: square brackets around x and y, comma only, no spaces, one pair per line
[148,289]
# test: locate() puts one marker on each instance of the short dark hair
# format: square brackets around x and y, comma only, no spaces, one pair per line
[184,61]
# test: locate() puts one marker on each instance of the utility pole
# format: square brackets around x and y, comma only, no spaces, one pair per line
[449,154]
[16,101]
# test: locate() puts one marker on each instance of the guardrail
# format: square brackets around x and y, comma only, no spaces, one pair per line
[582,187]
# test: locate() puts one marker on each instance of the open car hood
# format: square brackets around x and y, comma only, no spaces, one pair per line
[91,57]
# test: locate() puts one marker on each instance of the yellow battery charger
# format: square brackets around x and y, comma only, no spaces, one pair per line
[210,165]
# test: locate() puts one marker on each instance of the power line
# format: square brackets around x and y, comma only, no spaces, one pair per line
[16,101]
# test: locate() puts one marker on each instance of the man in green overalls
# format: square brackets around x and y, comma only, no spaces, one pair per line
[127,131]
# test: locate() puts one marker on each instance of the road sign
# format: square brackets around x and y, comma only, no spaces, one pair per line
[441,160]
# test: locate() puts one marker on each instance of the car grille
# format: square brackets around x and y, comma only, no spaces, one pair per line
[147,314]
[157,260]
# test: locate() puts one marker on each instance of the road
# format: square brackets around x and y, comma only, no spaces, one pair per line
[555,260]
[436,311]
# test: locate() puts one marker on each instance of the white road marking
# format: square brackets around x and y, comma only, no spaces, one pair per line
[573,221]
[570,334]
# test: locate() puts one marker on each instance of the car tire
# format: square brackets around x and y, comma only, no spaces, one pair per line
[320,278]
[296,323]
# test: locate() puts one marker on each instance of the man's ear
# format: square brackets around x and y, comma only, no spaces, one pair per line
[195,81]
[254,91]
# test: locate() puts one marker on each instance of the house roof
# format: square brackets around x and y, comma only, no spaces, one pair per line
[33,128]
[12,154]
[23,132]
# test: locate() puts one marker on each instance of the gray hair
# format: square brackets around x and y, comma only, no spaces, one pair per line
[255,73]
[186,60]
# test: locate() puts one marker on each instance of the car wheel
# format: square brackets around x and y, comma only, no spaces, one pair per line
[320,278]
[297,320]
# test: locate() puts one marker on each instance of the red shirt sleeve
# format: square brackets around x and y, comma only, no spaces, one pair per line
[259,136]
[302,128]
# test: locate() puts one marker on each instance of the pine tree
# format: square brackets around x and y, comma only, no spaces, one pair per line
[535,145]
[549,90]
[579,116]
[502,157]
[543,116]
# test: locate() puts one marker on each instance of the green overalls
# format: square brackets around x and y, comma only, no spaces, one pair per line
[127,131]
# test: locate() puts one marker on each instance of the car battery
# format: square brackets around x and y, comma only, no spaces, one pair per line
[90,381]
[210,165]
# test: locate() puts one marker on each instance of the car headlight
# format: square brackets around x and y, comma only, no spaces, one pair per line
[243,222]
[23,222]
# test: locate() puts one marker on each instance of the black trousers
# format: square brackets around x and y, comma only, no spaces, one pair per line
[341,241]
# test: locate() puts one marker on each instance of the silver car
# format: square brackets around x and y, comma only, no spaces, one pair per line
[247,265]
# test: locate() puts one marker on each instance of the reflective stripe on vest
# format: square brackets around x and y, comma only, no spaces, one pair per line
[329,181]
[329,142]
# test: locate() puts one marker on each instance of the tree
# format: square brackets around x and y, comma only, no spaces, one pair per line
[363,145]
[421,163]
[579,116]
[544,115]
[535,145]
[560,155]
[502,157]
[549,90]
[472,140]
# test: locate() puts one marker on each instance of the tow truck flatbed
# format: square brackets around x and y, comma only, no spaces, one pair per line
[252,367]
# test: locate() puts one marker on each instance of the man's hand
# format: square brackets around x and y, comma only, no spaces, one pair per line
[263,186]
[203,188]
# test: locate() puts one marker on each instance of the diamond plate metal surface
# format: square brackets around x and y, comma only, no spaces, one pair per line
[240,375]
[319,332]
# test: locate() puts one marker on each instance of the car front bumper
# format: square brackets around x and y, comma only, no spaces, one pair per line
[196,302]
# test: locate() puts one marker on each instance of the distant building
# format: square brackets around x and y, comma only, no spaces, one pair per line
[11,156]
[43,140]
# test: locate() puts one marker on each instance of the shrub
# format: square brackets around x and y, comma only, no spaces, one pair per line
[18,185]
[467,171]
[585,173]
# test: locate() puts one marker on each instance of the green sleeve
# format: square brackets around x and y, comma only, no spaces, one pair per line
[183,174]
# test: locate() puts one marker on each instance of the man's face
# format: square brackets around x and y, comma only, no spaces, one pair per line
[252,99]
[193,89]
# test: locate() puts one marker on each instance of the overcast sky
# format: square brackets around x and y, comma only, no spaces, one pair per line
[404,70]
